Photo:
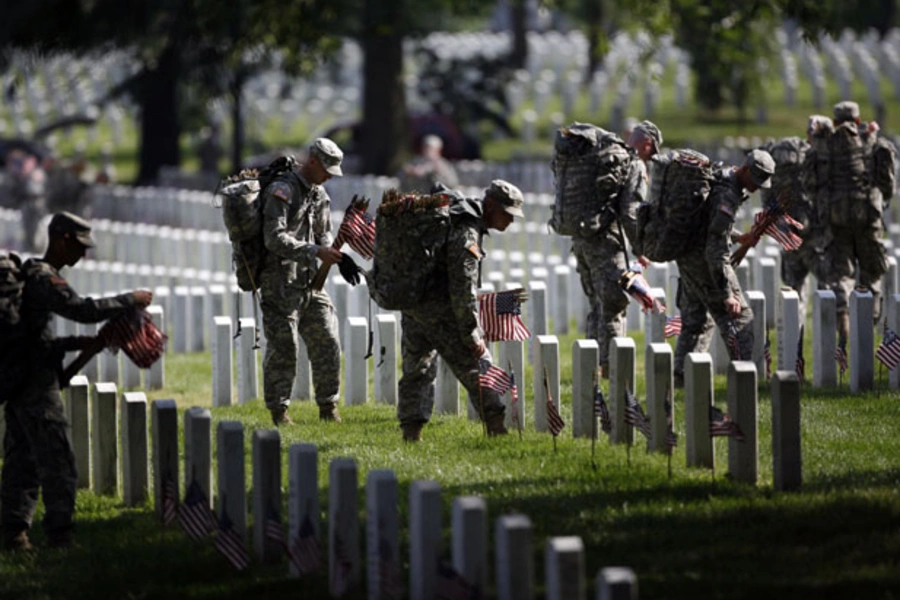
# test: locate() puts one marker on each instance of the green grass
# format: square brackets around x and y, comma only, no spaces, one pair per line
[692,535]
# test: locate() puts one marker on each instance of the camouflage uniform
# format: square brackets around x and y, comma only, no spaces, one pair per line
[422,172]
[601,262]
[37,449]
[447,324]
[850,206]
[297,221]
[707,280]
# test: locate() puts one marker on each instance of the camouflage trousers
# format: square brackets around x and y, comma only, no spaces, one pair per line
[427,332]
[855,256]
[38,458]
[601,262]
[795,268]
[310,315]
[699,315]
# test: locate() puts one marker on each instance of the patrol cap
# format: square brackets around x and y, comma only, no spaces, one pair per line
[650,129]
[66,224]
[761,166]
[329,155]
[846,111]
[508,195]
[818,123]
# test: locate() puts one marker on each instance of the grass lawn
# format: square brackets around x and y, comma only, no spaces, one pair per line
[691,535]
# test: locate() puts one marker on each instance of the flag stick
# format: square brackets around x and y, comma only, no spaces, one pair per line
[515,409]
[547,400]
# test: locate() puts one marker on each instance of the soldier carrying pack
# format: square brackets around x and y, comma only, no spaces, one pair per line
[668,221]
[12,330]
[590,166]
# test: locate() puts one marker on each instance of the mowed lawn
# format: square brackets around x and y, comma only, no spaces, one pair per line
[692,535]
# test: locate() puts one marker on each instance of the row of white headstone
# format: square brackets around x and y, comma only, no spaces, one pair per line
[97,412]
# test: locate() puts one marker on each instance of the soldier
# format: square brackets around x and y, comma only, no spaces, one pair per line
[446,323]
[429,168]
[296,232]
[850,176]
[601,256]
[28,182]
[38,452]
[707,281]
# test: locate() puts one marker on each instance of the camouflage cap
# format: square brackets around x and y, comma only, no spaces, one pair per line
[818,123]
[66,224]
[328,153]
[846,111]
[650,129]
[508,195]
[761,167]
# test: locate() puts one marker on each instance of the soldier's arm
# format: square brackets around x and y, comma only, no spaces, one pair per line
[717,249]
[322,221]
[463,255]
[276,210]
[59,297]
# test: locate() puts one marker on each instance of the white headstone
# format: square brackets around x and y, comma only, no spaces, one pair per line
[742,406]
[223,363]
[248,369]
[231,479]
[616,583]
[386,359]
[514,558]
[787,319]
[78,414]
[165,449]
[862,341]
[344,569]
[824,318]
[105,437]
[786,470]
[561,277]
[198,450]
[303,494]
[584,374]
[155,378]
[698,395]
[546,357]
[892,309]
[447,390]
[757,302]
[768,277]
[424,538]
[469,539]
[356,366]
[383,563]
[135,455]
[537,306]
[511,358]
[181,328]
[266,469]
[622,377]
[659,390]
[564,565]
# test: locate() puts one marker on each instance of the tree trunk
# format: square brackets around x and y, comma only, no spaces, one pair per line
[237,121]
[384,134]
[160,126]
[594,27]
[519,57]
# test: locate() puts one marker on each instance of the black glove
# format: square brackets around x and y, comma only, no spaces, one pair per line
[349,269]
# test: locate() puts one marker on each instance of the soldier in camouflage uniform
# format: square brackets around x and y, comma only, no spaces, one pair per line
[296,232]
[601,257]
[851,181]
[707,282]
[446,323]
[429,168]
[38,453]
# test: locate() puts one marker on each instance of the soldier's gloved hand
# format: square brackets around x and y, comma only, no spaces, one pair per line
[349,269]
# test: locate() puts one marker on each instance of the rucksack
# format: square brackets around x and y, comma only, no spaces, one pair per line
[242,207]
[667,221]
[12,328]
[411,230]
[590,166]
[789,155]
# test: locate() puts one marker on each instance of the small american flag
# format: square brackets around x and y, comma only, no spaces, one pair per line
[389,576]
[555,422]
[734,346]
[634,414]
[450,585]
[513,396]
[840,355]
[671,436]
[673,326]
[342,567]
[721,424]
[358,230]
[194,514]
[800,365]
[306,552]
[767,355]
[169,500]
[492,378]
[635,285]
[601,410]
[230,545]
[781,228]
[500,316]
[888,351]
[273,531]
[136,335]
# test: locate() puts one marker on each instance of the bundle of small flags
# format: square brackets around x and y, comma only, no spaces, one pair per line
[493,378]
[721,424]
[673,326]
[357,229]
[888,351]
[135,333]
[635,285]
[772,221]
[500,315]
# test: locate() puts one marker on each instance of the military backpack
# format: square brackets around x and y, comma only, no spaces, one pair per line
[590,167]
[667,222]
[241,200]
[12,328]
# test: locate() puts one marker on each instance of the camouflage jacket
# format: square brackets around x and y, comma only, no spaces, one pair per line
[47,293]
[725,198]
[296,222]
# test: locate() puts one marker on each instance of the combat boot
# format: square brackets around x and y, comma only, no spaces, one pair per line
[495,425]
[329,412]
[280,417]
[18,542]
[412,432]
